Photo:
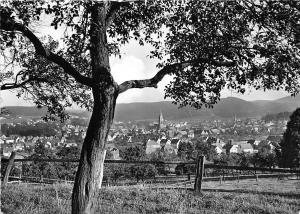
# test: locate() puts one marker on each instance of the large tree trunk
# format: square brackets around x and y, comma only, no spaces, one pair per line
[90,170]
[105,91]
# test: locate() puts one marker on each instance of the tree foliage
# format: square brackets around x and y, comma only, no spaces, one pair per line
[205,45]
[206,149]
[44,169]
[114,172]
[185,151]
[290,145]
[138,171]
[54,170]
[67,170]
[133,153]
[141,172]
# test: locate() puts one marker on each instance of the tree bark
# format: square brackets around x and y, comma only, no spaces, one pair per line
[90,170]
[105,91]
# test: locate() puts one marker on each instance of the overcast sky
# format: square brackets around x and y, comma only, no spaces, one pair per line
[135,64]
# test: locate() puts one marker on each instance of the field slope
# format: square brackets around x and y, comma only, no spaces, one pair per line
[38,199]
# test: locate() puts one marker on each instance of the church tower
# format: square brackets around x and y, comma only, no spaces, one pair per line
[160,121]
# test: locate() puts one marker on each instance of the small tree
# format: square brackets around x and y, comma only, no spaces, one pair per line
[245,159]
[114,171]
[136,153]
[267,159]
[65,169]
[142,171]
[185,151]
[133,153]
[45,169]
[290,145]
[158,156]
[204,148]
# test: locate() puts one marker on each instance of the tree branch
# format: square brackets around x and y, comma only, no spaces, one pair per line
[169,69]
[8,86]
[10,25]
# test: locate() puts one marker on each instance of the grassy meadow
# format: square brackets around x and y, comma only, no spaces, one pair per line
[46,199]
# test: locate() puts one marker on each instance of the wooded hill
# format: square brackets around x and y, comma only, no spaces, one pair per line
[226,108]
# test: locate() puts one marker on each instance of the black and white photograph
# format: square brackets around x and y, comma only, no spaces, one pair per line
[150,106]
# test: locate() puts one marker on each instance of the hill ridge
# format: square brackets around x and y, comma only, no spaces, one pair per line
[225,108]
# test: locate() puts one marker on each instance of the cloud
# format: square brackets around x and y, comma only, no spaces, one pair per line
[132,95]
[128,68]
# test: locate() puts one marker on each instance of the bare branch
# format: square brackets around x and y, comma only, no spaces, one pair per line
[167,70]
[10,25]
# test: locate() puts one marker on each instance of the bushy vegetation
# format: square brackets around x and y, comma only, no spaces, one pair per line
[53,170]
[29,199]
[131,171]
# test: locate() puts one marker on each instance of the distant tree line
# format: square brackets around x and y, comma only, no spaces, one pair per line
[38,129]
[77,121]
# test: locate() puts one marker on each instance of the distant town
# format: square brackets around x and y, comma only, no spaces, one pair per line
[228,136]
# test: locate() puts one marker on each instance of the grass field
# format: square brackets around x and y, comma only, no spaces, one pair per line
[264,197]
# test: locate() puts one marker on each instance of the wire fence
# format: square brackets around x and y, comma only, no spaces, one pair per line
[200,171]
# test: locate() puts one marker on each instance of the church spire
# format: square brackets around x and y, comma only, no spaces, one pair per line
[160,121]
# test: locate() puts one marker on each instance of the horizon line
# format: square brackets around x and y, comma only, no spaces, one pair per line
[74,108]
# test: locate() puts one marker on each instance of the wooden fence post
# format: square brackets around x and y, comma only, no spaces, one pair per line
[9,167]
[199,173]
[21,173]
